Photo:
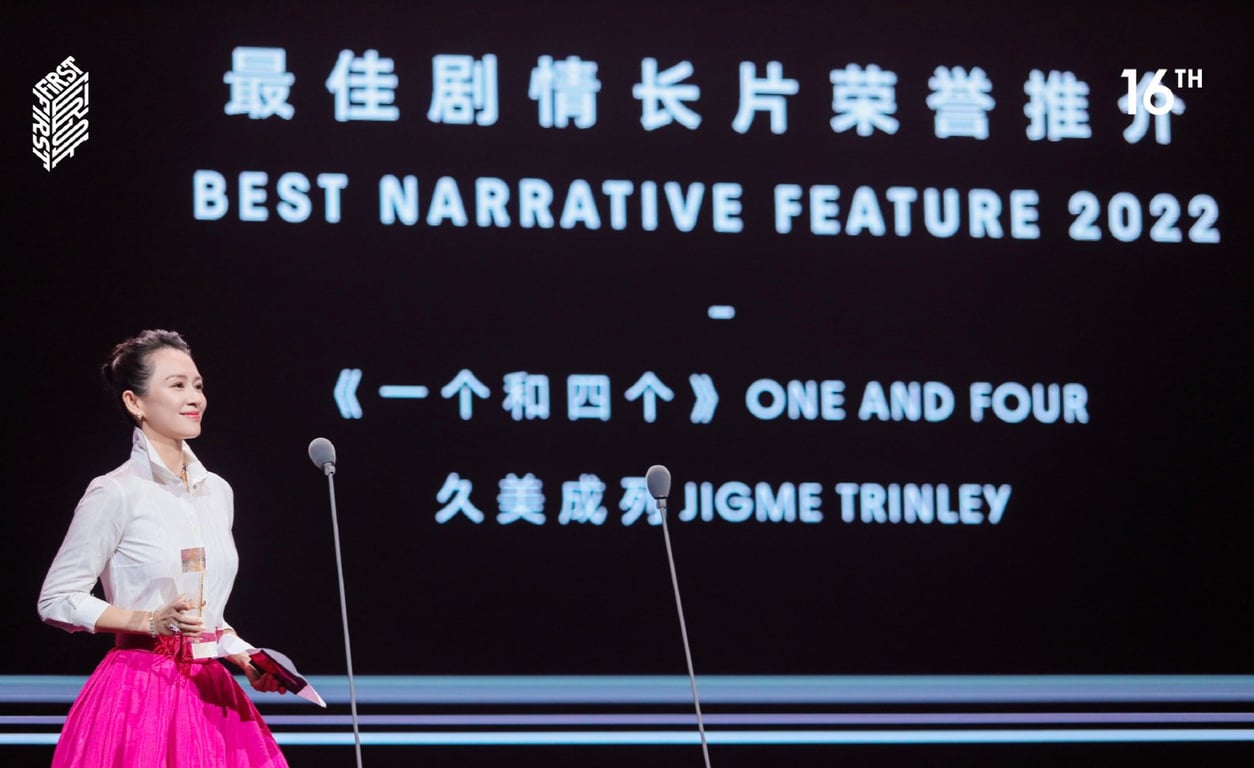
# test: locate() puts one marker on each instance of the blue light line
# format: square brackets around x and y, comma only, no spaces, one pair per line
[728,689]
[665,738]
[716,718]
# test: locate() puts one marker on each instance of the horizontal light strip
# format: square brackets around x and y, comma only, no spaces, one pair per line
[726,689]
[594,738]
[777,737]
[765,719]
[27,739]
[805,718]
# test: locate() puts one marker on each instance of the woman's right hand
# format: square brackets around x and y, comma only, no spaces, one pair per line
[175,618]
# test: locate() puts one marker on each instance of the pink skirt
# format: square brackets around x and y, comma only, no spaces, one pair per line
[157,707]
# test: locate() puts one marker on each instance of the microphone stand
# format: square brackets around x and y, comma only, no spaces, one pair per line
[329,468]
[683,631]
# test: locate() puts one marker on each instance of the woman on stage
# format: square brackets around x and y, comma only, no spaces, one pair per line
[152,531]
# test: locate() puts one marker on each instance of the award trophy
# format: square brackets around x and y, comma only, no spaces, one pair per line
[192,584]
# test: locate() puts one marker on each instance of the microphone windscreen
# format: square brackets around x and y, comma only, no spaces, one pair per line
[658,478]
[321,452]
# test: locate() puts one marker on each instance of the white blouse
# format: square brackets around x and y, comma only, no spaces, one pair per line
[129,531]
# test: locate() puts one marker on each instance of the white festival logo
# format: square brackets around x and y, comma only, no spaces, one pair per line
[59,114]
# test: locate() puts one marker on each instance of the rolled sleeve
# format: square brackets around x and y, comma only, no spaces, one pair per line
[66,600]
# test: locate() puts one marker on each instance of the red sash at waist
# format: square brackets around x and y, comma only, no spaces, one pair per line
[176,646]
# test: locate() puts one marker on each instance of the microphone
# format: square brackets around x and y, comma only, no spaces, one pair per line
[322,454]
[658,479]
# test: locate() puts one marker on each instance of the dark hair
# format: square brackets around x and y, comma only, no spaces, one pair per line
[128,366]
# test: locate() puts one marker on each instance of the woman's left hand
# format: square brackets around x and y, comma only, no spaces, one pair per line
[261,681]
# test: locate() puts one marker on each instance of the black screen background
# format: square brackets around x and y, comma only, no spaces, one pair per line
[1121,550]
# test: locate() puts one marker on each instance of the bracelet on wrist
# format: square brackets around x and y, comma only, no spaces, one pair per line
[152,624]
